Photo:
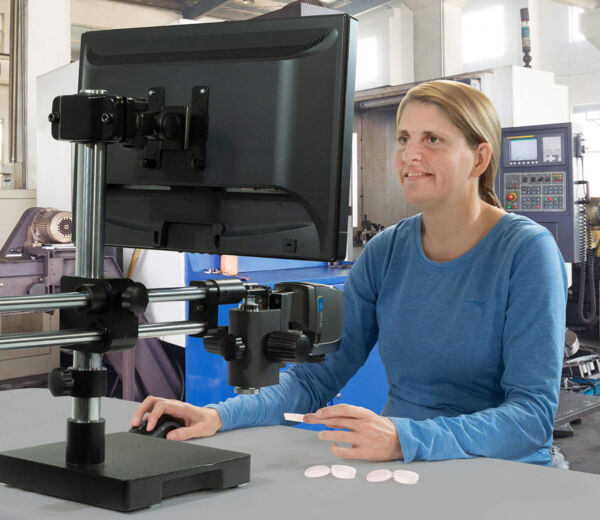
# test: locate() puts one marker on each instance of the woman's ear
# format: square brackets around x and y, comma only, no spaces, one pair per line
[482,157]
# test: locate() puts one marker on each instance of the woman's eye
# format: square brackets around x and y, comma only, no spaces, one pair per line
[402,139]
[433,139]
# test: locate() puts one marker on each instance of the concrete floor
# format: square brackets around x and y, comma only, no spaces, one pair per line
[582,450]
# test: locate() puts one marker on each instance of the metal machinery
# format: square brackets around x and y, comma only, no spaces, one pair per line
[294,322]
[536,179]
[36,255]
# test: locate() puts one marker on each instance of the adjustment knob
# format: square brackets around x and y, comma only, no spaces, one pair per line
[227,345]
[60,382]
[288,346]
[135,298]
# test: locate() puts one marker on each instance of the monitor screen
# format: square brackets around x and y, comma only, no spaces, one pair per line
[552,148]
[523,149]
[278,148]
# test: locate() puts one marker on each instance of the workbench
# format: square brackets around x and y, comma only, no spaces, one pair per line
[481,489]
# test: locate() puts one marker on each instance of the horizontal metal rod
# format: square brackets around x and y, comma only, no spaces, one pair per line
[80,300]
[61,338]
[153,330]
[69,338]
[42,302]
[176,294]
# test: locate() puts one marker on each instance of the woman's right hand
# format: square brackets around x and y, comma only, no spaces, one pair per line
[197,421]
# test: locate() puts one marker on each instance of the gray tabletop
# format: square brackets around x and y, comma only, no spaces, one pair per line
[482,489]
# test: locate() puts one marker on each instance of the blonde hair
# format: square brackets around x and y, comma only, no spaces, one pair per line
[473,114]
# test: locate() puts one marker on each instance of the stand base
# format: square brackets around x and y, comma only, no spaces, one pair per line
[138,471]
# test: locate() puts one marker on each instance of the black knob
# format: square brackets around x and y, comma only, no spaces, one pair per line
[54,117]
[227,345]
[288,346]
[60,382]
[170,126]
[135,298]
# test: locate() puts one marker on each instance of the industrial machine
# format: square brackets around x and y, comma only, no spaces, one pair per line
[193,138]
[582,303]
[535,179]
[36,255]
[367,231]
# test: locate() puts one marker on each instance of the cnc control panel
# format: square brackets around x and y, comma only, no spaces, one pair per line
[539,191]
[535,179]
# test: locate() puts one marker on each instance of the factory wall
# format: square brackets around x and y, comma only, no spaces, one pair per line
[48,48]
[106,14]
[385,46]
[506,15]
[576,64]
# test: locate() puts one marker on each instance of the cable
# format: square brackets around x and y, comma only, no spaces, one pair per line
[586,264]
[591,384]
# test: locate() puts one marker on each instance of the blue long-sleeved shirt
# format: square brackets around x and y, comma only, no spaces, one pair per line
[472,347]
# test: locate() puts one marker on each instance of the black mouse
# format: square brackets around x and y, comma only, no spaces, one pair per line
[164,425]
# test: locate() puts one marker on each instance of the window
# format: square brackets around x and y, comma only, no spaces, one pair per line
[575,34]
[366,61]
[483,34]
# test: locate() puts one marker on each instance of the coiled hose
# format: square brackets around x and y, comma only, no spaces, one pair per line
[586,271]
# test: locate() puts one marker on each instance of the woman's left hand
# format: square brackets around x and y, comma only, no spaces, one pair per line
[372,436]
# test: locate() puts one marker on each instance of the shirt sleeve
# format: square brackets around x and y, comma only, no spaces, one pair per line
[307,387]
[532,353]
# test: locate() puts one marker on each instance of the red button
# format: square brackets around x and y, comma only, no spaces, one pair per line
[550,199]
[511,196]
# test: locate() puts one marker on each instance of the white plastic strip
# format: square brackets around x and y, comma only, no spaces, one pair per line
[296,417]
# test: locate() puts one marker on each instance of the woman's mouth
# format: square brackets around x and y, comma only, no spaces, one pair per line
[414,175]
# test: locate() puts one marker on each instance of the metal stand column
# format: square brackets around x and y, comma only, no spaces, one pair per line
[85,428]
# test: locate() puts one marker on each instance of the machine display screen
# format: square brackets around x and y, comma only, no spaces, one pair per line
[552,148]
[523,149]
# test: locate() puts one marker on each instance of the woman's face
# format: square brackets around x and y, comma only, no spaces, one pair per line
[433,160]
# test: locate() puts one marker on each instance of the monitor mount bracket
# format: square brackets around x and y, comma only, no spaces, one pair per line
[95,116]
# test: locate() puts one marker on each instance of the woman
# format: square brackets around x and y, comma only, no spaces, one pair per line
[466,301]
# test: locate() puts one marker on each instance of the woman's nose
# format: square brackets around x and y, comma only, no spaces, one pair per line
[412,151]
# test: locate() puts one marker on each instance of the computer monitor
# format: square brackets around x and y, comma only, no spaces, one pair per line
[280,106]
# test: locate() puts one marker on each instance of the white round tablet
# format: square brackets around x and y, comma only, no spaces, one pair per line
[341,471]
[316,471]
[403,476]
[379,475]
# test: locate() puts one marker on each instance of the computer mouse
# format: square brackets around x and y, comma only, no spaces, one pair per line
[164,425]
